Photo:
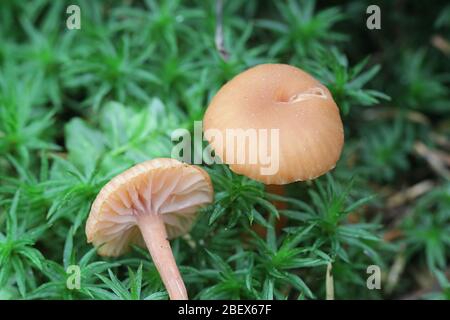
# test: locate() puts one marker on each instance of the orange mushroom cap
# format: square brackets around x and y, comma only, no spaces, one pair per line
[165,187]
[279,96]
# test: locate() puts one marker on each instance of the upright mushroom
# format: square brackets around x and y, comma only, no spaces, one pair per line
[283,97]
[278,96]
[148,204]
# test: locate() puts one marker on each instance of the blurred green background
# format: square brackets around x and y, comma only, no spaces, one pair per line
[79,106]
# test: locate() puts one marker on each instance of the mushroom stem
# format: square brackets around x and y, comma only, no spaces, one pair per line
[155,237]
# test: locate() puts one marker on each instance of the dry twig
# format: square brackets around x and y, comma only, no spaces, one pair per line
[441,44]
[219,39]
[410,194]
[437,160]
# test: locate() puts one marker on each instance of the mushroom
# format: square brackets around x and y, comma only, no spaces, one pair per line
[283,97]
[148,204]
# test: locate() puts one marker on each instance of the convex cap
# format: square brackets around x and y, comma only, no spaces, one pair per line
[279,96]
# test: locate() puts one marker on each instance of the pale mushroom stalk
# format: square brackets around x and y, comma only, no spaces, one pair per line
[155,236]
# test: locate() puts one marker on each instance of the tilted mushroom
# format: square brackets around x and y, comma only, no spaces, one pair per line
[283,97]
[148,204]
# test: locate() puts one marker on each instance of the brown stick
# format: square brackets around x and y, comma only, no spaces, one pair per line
[155,236]
[437,160]
[329,282]
[219,31]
